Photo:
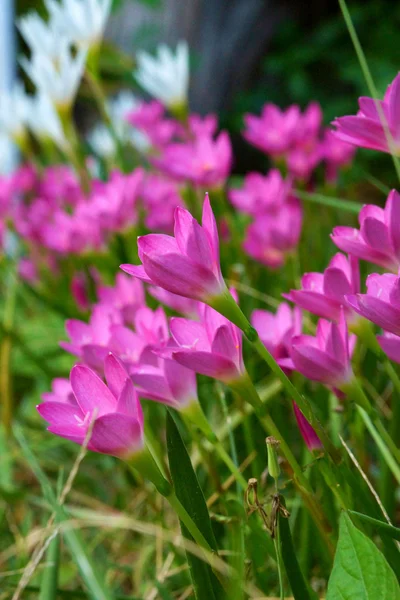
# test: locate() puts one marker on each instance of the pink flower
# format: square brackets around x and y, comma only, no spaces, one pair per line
[367,129]
[187,264]
[378,239]
[165,380]
[271,237]
[114,408]
[60,185]
[90,341]
[261,193]
[61,391]
[308,434]
[276,330]
[127,296]
[323,294]
[199,125]
[211,347]
[160,198]
[149,118]
[336,154]
[203,162]
[275,131]
[309,126]
[79,290]
[381,303]
[302,161]
[390,344]
[326,357]
[187,307]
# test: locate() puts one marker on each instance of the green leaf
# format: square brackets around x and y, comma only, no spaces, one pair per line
[381,526]
[300,588]
[190,494]
[360,571]
[48,587]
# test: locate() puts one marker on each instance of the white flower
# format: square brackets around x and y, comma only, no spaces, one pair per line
[44,121]
[15,107]
[6,151]
[83,21]
[58,79]
[102,142]
[40,36]
[165,76]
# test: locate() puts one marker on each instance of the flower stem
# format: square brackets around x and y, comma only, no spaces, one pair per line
[196,416]
[247,390]
[5,353]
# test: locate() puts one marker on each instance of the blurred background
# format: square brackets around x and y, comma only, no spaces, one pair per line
[247,52]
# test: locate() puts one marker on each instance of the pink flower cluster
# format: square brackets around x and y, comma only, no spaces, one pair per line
[277,216]
[298,140]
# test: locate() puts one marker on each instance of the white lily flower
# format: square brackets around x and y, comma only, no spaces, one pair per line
[5,151]
[44,121]
[165,76]
[58,79]
[121,105]
[41,37]
[83,21]
[102,142]
[15,107]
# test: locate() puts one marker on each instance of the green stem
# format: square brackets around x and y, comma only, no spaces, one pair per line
[5,353]
[196,416]
[369,80]
[144,462]
[346,205]
[380,442]
[247,390]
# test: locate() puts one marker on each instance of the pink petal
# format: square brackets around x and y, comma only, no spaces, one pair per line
[191,238]
[224,343]
[116,434]
[392,209]
[390,344]
[181,381]
[136,271]
[189,334]
[210,226]
[128,403]
[205,363]
[115,374]
[90,391]
[317,365]
[375,234]
[380,313]
[316,303]
[60,413]
[336,284]
[73,434]
[309,436]
[362,132]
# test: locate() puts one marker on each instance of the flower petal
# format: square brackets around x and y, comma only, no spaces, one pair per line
[90,392]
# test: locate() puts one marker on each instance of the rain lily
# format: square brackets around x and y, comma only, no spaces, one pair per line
[90,342]
[390,344]
[378,239]
[261,193]
[301,162]
[323,294]
[113,411]
[165,76]
[187,264]
[149,119]
[44,121]
[276,330]
[42,37]
[204,161]
[83,21]
[275,131]
[308,434]
[381,303]
[127,296]
[326,357]
[272,237]
[166,381]
[180,304]
[15,108]
[375,120]
[59,81]
[160,198]
[211,347]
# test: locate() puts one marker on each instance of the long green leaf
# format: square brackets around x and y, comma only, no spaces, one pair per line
[346,205]
[300,588]
[48,586]
[360,569]
[190,494]
[381,526]
[89,572]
